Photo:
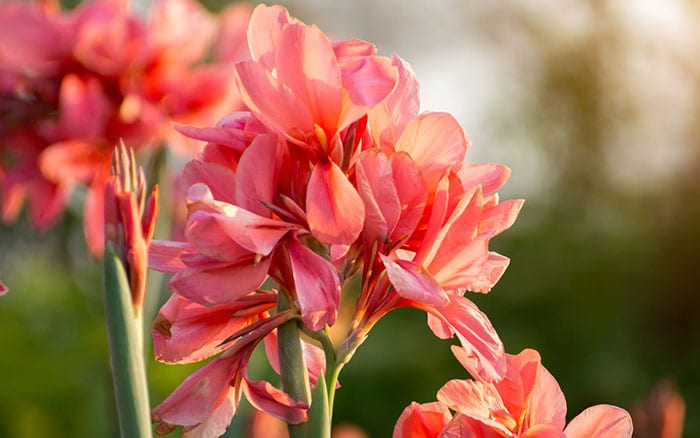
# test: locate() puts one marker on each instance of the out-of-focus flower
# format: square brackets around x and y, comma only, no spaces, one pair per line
[661,415]
[130,219]
[526,403]
[3,289]
[72,84]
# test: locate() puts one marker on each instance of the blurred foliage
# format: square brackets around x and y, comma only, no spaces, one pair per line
[603,282]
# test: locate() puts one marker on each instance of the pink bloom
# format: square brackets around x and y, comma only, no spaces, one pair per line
[74,84]
[302,86]
[526,403]
[3,289]
[332,173]
[661,414]
[130,219]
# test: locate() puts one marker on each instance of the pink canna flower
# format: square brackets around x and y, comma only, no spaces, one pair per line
[331,175]
[526,403]
[130,218]
[73,84]
[661,414]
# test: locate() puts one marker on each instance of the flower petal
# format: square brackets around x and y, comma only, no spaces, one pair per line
[413,282]
[185,331]
[376,187]
[316,285]
[214,282]
[600,421]
[484,354]
[256,173]
[436,142]
[265,397]
[307,66]
[422,420]
[334,210]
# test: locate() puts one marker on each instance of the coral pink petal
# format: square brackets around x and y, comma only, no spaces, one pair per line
[275,402]
[346,51]
[199,395]
[412,194]
[306,64]
[490,177]
[436,142]
[334,210]
[47,202]
[390,117]
[500,217]
[478,401]
[234,138]
[376,187]
[84,108]
[166,256]
[316,284]
[94,222]
[185,331]
[231,43]
[485,354]
[273,103]
[600,421]
[256,174]
[220,283]
[413,282]
[422,421]
[547,404]
[487,274]
[543,431]
[211,240]
[72,161]
[217,422]
[367,81]
[264,29]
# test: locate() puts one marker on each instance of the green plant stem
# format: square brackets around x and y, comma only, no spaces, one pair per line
[293,374]
[126,347]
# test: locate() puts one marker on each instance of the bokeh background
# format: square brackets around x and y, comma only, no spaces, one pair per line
[595,105]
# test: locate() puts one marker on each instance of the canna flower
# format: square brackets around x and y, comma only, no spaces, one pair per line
[526,403]
[332,175]
[130,218]
[661,414]
[72,84]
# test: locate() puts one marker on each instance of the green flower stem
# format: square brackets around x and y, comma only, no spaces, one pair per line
[295,378]
[126,347]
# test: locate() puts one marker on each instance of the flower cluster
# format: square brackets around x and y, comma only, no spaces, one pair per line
[527,402]
[73,83]
[331,179]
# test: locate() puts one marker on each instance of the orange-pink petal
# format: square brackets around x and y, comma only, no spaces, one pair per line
[316,285]
[422,421]
[412,281]
[436,142]
[334,210]
[600,421]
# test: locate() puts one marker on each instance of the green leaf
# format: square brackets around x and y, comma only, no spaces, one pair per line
[319,412]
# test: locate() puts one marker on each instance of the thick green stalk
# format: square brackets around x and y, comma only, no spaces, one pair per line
[295,379]
[126,351]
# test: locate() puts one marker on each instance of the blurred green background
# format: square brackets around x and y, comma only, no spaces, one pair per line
[595,107]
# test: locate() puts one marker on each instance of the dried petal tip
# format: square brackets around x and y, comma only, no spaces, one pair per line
[129,219]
